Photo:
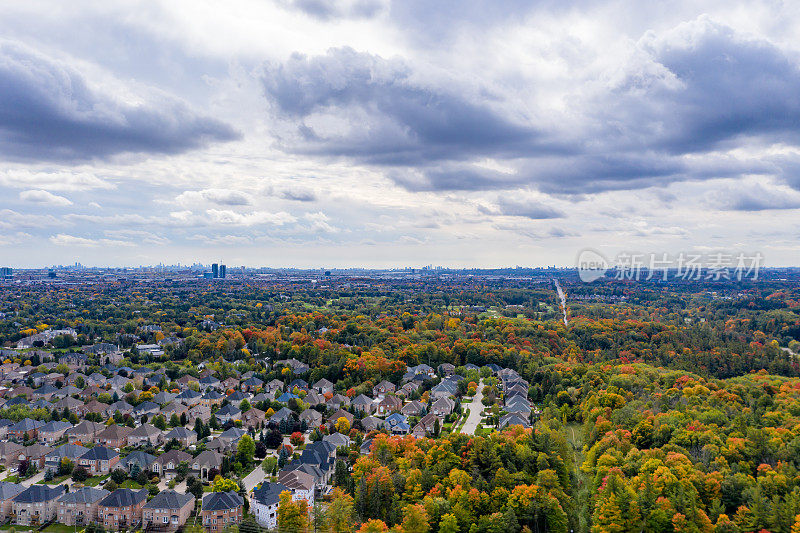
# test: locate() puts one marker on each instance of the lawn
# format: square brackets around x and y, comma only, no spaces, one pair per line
[12,479]
[60,528]
[54,481]
[130,484]
[95,480]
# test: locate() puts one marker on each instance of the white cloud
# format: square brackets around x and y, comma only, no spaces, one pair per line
[214,196]
[44,197]
[232,218]
[62,239]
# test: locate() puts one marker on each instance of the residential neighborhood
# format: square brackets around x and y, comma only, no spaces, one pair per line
[154,448]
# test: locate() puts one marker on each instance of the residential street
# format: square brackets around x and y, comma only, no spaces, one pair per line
[475,407]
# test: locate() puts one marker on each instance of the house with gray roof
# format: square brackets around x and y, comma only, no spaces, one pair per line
[79,507]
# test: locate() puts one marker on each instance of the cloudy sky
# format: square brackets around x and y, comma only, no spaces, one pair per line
[337,133]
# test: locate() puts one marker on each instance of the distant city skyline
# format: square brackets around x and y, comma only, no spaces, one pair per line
[396,132]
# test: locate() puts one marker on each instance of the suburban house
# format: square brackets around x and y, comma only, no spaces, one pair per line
[166,464]
[300,483]
[79,507]
[69,451]
[143,435]
[168,510]
[122,508]
[264,504]
[443,406]
[182,435]
[311,417]
[52,432]
[9,453]
[323,386]
[338,401]
[7,493]
[25,428]
[136,459]
[36,505]
[85,432]
[221,509]
[427,425]
[389,404]
[227,412]
[253,417]
[204,463]
[114,436]
[99,460]
[383,388]
[363,403]
[34,454]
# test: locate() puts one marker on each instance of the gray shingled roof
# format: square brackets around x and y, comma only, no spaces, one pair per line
[99,453]
[217,501]
[124,498]
[84,495]
[39,493]
[168,499]
[9,490]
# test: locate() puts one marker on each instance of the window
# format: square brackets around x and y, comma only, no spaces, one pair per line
[166,519]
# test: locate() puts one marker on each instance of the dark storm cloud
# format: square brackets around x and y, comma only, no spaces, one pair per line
[756,198]
[703,87]
[682,97]
[48,111]
[393,119]
[453,177]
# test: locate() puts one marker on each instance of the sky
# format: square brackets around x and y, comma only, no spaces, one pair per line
[382,133]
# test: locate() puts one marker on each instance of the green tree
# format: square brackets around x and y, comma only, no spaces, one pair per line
[245,450]
[448,524]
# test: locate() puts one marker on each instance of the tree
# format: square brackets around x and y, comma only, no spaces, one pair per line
[194,486]
[373,525]
[340,512]
[415,519]
[261,450]
[448,524]
[222,484]
[79,474]
[174,420]
[245,450]
[160,422]
[292,516]
[297,438]
[342,425]
[119,475]
[65,467]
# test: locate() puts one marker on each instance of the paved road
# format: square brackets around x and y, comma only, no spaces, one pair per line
[475,407]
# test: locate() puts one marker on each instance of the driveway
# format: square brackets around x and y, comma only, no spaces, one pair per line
[31,480]
[254,478]
[475,407]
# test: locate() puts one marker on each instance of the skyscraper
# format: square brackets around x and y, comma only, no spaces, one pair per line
[222,271]
[214,270]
